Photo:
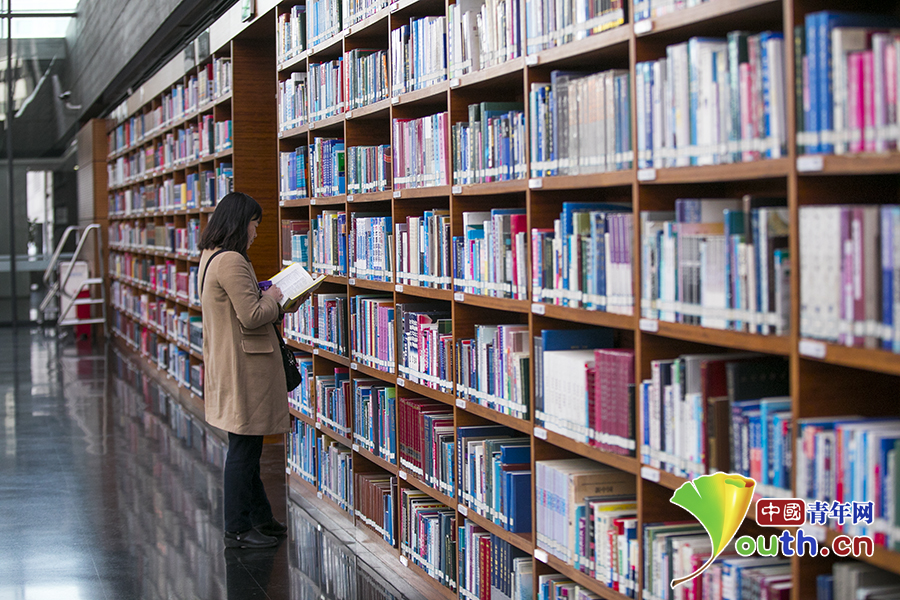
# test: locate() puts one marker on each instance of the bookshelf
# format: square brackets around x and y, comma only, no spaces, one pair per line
[194,131]
[827,379]
[823,375]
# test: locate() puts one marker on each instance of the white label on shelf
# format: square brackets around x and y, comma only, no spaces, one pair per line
[319,495]
[646,174]
[402,474]
[398,287]
[538,308]
[356,447]
[642,27]
[287,470]
[318,425]
[457,189]
[541,555]
[395,100]
[461,403]
[403,560]
[352,281]
[459,296]
[397,194]
[401,382]
[350,198]
[312,201]
[532,60]
[650,325]
[281,203]
[540,433]
[463,510]
[354,366]
[454,82]
[650,474]
[810,163]
[316,351]
[535,183]
[349,114]
[812,348]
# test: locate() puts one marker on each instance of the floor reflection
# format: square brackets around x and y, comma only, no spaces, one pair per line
[110,488]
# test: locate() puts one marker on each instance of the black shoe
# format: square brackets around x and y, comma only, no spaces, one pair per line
[249,539]
[272,528]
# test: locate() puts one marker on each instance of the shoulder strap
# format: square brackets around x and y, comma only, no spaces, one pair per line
[203,279]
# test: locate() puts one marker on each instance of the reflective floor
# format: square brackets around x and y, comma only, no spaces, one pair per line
[110,489]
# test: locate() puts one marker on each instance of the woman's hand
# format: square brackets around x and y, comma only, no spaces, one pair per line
[274,292]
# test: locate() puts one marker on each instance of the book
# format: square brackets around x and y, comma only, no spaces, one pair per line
[295,282]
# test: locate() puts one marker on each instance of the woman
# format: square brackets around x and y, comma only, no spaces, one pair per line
[245,391]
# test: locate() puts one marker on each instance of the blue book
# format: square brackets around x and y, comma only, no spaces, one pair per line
[825,587]
[569,208]
[576,339]
[768,407]
[515,454]
[519,484]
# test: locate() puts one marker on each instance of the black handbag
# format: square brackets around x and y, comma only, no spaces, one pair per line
[289,361]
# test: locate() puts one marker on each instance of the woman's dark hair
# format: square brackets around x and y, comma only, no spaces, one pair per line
[227,227]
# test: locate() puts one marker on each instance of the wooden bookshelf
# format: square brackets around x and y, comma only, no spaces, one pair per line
[827,379]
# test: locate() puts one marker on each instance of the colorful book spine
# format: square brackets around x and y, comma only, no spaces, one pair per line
[422,248]
[492,146]
[375,418]
[552,23]
[373,332]
[418,54]
[291,33]
[293,101]
[301,450]
[420,151]
[335,475]
[482,34]
[428,535]
[369,169]
[425,345]
[580,123]
[492,368]
[376,497]
[366,77]
[329,242]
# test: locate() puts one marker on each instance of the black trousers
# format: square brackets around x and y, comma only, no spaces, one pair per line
[245,502]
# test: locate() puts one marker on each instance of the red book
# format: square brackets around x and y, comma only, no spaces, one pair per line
[484,561]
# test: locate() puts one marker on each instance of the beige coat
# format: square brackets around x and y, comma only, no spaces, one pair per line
[244,389]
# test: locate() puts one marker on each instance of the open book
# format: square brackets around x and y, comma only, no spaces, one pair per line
[295,281]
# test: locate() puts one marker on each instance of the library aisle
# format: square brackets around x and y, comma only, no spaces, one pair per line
[109,489]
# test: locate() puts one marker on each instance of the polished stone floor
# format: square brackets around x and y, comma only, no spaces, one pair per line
[110,489]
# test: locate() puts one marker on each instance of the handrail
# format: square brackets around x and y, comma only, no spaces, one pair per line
[55,258]
[65,278]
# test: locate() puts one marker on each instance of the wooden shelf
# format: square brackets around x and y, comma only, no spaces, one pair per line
[879,361]
[583,580]
[301,417]
[759,169]
[368,284]
[629,464]
[508,71]
[435,191]
[522,425]
[377,460]
[589,45]
[291,63]
[430,93]
[293,132]
[335,358]
[364,25]
[390,378]
[440,396]
[327,200]
[323,50]
[575,182]
[369,197]
[380,108]
[737,340]
[730,12]
[420,485]
[336,436]
[887,163]
[597,318]
[423,292]
[514,186]
[299,345]
[506,304]
[522,541]
[332,121]
[293,202]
